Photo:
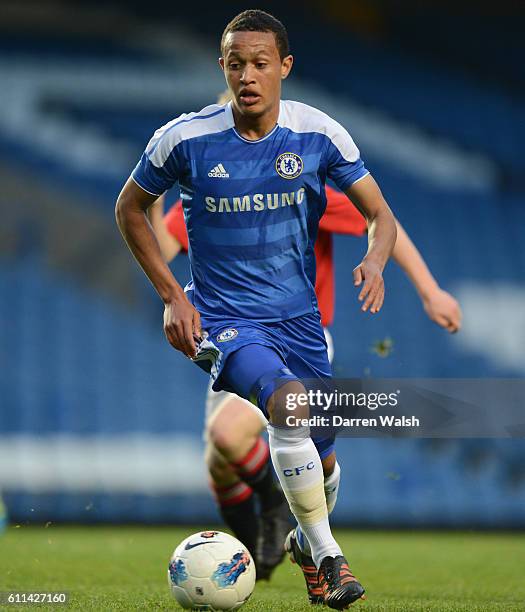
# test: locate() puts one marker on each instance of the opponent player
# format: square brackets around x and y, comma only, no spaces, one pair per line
[252,177]
[236,453]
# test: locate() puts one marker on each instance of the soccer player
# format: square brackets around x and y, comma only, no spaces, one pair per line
[236,453]
[252,176]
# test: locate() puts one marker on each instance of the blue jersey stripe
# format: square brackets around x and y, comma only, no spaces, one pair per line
[282,232]
[251,253]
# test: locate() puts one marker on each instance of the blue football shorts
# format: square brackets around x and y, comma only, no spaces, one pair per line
[240,353]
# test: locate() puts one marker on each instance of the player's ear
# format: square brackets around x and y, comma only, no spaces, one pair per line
[286,66]
[221,63]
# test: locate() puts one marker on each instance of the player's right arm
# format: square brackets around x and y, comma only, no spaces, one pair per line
[181,319]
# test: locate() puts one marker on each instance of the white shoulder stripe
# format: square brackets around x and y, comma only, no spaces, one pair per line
[209,120]
[301,118]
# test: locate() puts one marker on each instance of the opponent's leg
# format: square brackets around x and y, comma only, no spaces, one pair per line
[235,499]
[255,469]
[235,430]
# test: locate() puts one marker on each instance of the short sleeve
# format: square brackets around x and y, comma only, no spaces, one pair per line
[344,164]
[176,226]
[162,163]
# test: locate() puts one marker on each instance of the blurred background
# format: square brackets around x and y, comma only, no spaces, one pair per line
[99,419]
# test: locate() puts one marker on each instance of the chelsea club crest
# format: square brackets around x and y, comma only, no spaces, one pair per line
[227,334]
[289,165]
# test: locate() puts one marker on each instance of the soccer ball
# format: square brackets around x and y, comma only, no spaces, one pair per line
[211,570]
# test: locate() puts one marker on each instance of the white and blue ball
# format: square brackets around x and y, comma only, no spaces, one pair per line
[211,570]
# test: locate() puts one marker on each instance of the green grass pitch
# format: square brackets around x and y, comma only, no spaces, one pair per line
[124,568]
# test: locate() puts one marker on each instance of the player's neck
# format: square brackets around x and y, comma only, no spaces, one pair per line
[254,128]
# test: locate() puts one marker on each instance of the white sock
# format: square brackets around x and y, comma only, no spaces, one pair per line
[331,489]
[298,467]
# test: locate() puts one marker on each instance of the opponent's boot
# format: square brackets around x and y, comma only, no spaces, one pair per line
[274,525]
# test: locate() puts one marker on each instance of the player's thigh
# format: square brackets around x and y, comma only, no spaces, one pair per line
[245,368]
[258,372]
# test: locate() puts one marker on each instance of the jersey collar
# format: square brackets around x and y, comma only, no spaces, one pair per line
[231,121]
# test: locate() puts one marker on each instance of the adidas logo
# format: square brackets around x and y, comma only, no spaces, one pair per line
[218,172]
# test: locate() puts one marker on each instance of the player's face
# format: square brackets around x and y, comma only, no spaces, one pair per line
[254,71]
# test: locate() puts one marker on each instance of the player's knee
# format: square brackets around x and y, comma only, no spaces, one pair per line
[223,439]
[219,469]
[288,400]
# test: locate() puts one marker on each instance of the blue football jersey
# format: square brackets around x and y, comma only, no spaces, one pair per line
[252,207]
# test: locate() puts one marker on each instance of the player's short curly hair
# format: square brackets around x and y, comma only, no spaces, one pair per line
[255,20]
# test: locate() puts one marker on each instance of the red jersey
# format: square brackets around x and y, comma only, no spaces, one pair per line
[340,217]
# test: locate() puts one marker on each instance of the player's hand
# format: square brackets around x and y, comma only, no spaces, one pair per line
[182,325]
[443,309]
[372,293]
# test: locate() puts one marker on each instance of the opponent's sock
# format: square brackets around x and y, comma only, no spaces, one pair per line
[255,470]
[237,507]
[331,489]
[300,472]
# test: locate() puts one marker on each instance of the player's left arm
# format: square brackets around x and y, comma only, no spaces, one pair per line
[440,306]
[366,195]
